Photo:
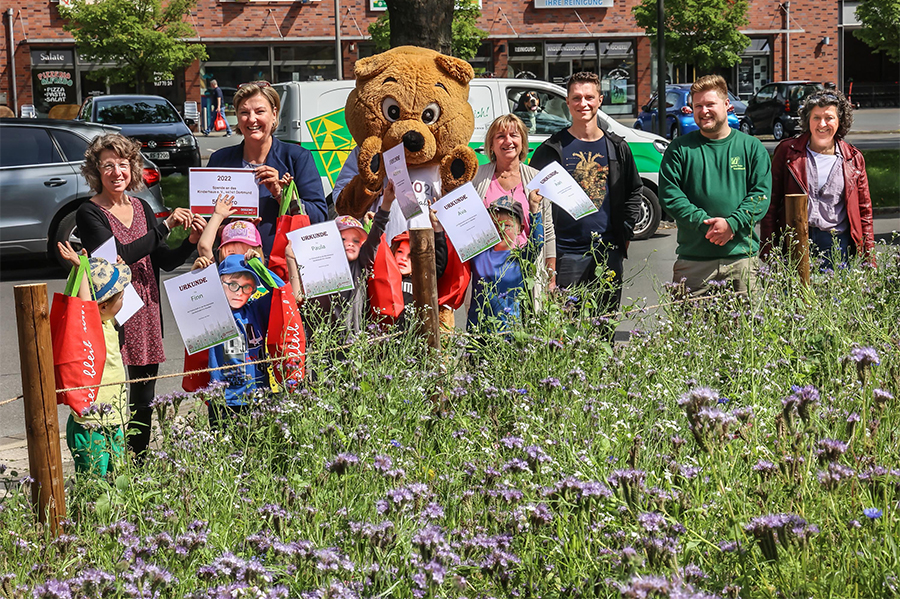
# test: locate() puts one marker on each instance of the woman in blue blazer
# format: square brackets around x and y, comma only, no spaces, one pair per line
[257,105]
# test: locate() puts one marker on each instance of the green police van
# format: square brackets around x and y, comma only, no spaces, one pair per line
[312,114]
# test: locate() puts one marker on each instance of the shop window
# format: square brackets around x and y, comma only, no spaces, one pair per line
[259,54]
[543,112]
[53,87]
[22,146]
[305,72]
[306,52]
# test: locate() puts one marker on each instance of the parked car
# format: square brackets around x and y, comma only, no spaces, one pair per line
[312,114]
[679,114]
[41,184]
[152,120]
[775,107]
[740,107]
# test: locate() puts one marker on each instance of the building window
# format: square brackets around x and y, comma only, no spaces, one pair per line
[617,77]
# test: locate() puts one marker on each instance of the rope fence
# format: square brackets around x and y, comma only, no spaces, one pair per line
[454,333]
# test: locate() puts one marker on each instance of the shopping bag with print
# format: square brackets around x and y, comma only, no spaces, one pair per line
[220,124]
[79,349]
[285,224]
[385,285]
[454,282]
[285,335]
[195,362]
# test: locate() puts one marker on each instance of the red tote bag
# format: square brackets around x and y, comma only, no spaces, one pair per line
[385,285]
[220,124]
[454,282]
[79,350]
[285,335]
[194,362]
[284,225]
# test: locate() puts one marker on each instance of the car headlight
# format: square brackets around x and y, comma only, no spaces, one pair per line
[186,141]
[661,145]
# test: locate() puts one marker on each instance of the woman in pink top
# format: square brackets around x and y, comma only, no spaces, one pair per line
[506,144]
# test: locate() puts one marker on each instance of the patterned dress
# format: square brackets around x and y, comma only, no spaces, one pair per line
[143,332]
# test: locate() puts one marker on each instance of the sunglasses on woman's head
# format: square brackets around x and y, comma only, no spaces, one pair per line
[261,84]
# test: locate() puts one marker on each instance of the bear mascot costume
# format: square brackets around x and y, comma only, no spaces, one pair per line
[417,97]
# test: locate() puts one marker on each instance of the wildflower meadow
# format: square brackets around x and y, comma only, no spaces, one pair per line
[732,447]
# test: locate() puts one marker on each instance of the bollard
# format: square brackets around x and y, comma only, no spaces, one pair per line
[39,390]
[798,233]
[424,280]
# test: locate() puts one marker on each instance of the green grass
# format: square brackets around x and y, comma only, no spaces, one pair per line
[883,169]
[175,195]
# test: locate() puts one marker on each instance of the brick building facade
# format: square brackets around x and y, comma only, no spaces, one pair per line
[278,40]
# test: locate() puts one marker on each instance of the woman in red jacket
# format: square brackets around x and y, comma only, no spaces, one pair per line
[832,174]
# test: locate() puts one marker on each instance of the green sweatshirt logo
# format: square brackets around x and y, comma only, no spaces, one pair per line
[736,163]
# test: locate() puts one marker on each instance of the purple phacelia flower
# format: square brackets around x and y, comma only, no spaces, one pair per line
[341,463]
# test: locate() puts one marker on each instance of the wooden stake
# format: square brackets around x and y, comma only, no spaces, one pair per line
[424,280]
[798,231]
[39,389]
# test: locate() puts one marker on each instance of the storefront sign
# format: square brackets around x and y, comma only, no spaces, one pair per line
[52,58]
[615,48]
[530,49]
[574,49]
[381,5]
[573,3]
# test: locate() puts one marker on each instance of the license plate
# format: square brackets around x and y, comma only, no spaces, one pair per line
[157,155]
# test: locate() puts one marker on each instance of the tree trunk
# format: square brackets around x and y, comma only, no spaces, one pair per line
[425,23]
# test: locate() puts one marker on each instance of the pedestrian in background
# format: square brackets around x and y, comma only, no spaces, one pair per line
[218,99]
[715,182]
[831,173]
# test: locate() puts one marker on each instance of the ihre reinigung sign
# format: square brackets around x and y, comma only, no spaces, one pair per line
[573,3]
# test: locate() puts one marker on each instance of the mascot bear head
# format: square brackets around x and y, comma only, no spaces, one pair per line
[415,97]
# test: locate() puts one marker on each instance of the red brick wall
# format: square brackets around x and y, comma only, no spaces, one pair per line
[268,22]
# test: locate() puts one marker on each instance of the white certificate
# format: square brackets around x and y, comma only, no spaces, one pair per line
[208,184]
[555,183]
[466,222]
[426,184]
[321,259]
[131,302]
[395,167]
[201,309]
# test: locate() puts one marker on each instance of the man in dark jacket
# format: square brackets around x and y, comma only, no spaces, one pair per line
[602,164]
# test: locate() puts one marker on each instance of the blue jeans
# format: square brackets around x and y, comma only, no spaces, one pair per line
[822,243]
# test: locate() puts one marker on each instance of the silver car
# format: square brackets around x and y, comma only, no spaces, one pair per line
[41,185]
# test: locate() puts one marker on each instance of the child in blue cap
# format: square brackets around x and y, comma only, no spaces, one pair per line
[243,382]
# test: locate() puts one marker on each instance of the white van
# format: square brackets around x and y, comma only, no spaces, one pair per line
[312,114]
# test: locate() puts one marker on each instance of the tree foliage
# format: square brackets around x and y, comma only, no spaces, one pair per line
[144,39]
[880,21]
[467,37]
[699,32]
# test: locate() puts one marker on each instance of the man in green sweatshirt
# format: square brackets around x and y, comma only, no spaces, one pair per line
[716,184]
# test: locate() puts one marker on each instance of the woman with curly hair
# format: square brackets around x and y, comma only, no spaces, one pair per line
[832,174]
[112,167]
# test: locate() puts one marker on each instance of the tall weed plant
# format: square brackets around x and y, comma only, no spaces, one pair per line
[733,447]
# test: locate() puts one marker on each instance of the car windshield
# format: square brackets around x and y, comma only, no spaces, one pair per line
[144,111]
[802,91]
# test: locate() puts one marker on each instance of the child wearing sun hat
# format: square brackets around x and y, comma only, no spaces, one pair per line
[96,437]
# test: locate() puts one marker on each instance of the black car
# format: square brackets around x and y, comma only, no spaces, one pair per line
[775,107]
[41,184]
[153,121]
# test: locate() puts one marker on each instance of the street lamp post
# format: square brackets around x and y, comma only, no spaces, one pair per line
[661,67]
[338,54]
